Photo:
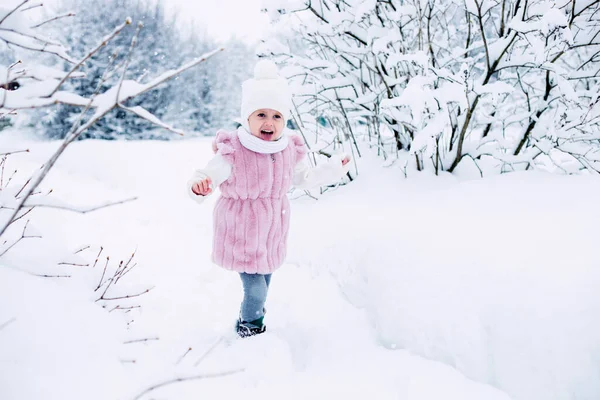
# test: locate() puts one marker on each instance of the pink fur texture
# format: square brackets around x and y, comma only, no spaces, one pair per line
[251,217]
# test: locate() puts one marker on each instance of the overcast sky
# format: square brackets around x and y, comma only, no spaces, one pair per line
[224,18]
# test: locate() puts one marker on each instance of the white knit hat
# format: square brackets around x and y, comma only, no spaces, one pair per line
[266,90]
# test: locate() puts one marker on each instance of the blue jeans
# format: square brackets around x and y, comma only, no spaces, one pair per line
[256,287]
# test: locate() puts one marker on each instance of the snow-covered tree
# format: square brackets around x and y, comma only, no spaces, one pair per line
[505,84]
[225,81]
[207,99]
[25,85]
[157,50]
[198,101]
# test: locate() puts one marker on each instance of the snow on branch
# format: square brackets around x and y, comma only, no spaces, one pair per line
[15,31]
[136,89]
[102,44]
[47,202]
[47,92]
[148,116]
[445,79]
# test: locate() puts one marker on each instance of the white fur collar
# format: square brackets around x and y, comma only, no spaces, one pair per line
[258,145]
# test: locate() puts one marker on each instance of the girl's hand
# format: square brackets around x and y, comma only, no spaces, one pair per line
[203,187]
[346,160]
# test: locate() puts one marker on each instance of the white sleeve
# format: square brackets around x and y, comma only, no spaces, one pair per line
[327,173]
[218,169]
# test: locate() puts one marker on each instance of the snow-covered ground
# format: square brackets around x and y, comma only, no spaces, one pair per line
[421,289]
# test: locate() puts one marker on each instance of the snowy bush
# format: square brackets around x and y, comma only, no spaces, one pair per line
[502,85]
[187,101]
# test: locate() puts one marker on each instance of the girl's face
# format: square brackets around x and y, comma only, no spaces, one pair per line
[266,124]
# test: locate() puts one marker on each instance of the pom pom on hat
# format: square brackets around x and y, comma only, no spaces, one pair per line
[265,90]
[265,69]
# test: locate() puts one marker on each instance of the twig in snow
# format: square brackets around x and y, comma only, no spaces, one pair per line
[185,379]
[7,323]
[14,152]
[183,356]
[210,350]
[23,188]
[82,249]
[125,273]
[103,272]
[129,308]
[129,296]
[23,236]
[74,264]
[141,340]
[122,269]
[23,215]
[10,178]
[98,257]
[111,280]
[52,276]
[125,270]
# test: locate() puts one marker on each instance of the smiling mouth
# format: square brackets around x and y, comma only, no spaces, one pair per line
[266,132]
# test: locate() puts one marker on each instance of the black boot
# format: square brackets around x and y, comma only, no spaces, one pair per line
[246,329]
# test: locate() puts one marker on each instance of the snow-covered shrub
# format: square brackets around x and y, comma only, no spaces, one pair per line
[503,85]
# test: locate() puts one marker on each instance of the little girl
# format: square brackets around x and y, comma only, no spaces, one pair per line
[255,168]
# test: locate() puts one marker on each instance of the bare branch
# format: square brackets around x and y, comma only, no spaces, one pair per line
[54,19]
[23,236]
[210,350]
[183,356]
[42,49]
[52,276]
[141,340]
[81,210]
[124,308]
[82,249]
[103,43]
[31,7]
[189,378]
[14,152]
[74,264]
[13,11]
[128,59]
[482,31]
[98,257]
[103,272]
[129,296]
[33,182]
[172,73]
[44,41]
